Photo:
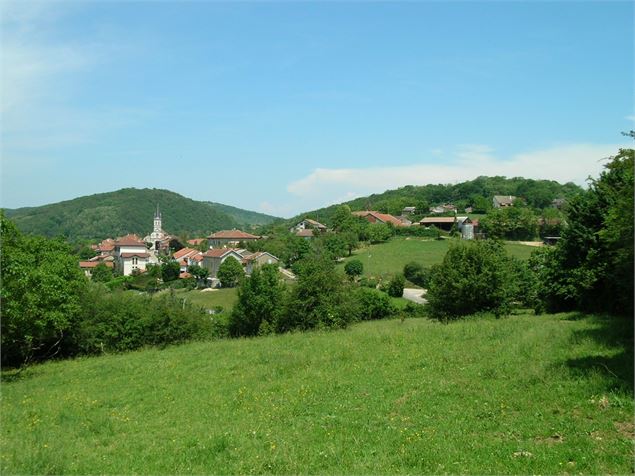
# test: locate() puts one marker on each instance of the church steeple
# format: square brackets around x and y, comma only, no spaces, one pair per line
[157,220]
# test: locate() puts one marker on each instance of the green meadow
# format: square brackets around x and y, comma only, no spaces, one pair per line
[388,258]
[520,395]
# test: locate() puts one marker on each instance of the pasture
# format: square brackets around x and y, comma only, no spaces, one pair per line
[521,395]
[384,259]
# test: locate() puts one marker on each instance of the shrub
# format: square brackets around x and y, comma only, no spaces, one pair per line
[230,272]
[396,285]
[473,277]
[373,304]
[416,274]
[354,268]
[368,282]
[260,302]
[318,298]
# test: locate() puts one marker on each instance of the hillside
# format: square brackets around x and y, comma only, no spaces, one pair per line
[477,193]
[522,395]
[244,216]
[129,210]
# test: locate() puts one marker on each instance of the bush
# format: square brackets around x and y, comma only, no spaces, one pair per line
[473,277]
[396,285]
[368,282]
[260,302]
[121,321]
[373,304]
[230,272]
[416,274]
[354,268]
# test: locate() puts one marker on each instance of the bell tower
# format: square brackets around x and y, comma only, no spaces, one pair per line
[157,222]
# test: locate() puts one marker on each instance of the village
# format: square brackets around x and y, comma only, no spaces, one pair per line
[131,255]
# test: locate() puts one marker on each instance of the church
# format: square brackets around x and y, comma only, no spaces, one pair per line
[158,240]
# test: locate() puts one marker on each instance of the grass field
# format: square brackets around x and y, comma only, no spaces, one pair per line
[388,258]
[210,299]
[523,395]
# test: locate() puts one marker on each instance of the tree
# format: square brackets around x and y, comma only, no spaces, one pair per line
[101,273]
[199,272]
[591,268]
[354,268]
[416,274]
[230,272]
[474,276]
[513,223]
[379,232]
[170,271]
[260,303]
[396,285]
[317,299]
[41,295]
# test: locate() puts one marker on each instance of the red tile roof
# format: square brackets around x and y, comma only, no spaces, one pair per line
[234,235]
[307,232]
[94,264]
[196,241]
[184,253]
[184,275]
[218,252]
[130,240]
[138,255]
[383,217]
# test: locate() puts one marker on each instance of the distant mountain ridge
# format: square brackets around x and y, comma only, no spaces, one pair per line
[131,210]
[477,193]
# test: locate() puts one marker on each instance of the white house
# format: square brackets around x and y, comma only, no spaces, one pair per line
[308,224]
[257,259]
[503,201]
[131,254]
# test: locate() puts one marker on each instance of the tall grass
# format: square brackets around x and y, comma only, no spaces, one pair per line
[526,394]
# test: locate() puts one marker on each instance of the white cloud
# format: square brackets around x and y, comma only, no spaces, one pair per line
[566,163]
[630,118]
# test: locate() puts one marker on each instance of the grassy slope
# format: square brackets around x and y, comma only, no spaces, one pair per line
[389,258]
[209,299]
[382,397]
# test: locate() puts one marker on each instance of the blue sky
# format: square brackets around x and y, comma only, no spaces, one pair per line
[283,107]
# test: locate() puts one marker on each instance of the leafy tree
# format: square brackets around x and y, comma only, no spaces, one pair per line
[374,304]
[101,273]
[416,274]
[514,223]
[260,303]
[86,252]
[41,295]
[230,272]
[354,268]
[334,244]
[379,232]
[396,285]
[591,268]
[474,276]
[199,272]
[317,299]
[170,271]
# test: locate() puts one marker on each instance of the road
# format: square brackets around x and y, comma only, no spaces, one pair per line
[414,295]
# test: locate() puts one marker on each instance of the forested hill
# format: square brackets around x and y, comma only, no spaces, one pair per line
[130,210]
[244,216]
[477,193]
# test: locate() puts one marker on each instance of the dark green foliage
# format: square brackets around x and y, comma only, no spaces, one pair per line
[170,271]
[115,322]
[333,243]
[260,303]
[199,272]
[395,285]
[368,282]
[230,272]
[244,217]
[474,277]
[101,273]
[128,210]
[417,274]
[318,299]
[478,193]
[513,223]
[40,295]
[373,304]
[354,268]
[591,268]
[284,245]
[379,232]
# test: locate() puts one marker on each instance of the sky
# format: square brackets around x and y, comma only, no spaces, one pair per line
[284,107]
